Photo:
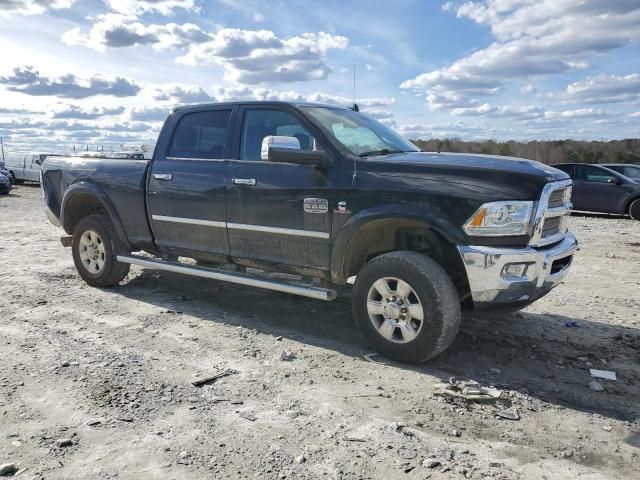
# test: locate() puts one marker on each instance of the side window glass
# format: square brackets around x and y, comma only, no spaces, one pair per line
[201,135]
[593,174]
[568,169]
[258,124]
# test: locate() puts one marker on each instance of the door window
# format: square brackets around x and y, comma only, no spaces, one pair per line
[201,135]
[261,123]
[568,169]
[592,174]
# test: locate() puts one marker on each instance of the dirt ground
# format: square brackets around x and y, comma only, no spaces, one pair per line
[98,383]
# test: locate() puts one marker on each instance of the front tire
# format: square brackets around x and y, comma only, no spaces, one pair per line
[94,248]
[634,209]
[406,306]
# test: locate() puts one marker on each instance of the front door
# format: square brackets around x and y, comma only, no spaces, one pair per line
[186,186]
[594,189]
[277,212]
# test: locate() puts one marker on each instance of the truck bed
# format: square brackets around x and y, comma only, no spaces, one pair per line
[120,181]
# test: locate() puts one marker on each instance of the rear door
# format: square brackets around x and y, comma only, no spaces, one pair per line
[187,182]
[278,212]
[595,190]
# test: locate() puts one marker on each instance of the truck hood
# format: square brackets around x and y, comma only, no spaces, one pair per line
[515,178]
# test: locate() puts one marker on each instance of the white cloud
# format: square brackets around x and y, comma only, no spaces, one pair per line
[137,7]
[114,30]
[533,37]
[180,94]
[259,56]
[605,89]
[27,80]
[505,111]
[32,7]
[578,113]
[77,112]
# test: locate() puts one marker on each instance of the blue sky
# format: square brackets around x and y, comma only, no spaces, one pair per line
[106,71]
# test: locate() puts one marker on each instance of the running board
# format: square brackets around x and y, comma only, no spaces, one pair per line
[239,278]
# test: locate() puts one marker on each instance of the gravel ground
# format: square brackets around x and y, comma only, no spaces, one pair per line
[98,383]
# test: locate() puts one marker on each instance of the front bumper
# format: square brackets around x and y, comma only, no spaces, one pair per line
[492,287]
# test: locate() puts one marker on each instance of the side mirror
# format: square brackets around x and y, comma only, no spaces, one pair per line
[614,180]
[282,149]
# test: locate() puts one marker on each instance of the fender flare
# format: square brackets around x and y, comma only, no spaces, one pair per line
[91,189]
[343,245]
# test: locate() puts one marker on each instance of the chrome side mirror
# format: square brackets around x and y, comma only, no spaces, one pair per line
[276,141]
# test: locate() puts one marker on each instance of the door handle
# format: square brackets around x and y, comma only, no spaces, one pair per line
[163,176]
[244,181]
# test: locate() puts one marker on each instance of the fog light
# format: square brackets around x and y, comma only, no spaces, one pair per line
[515,269]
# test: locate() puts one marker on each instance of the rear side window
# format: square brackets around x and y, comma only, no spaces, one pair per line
[568,169]
[201,135]
[592,174]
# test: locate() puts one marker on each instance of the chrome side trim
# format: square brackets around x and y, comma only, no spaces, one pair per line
[278,230]
[237,278]
[244,226]
[190,221]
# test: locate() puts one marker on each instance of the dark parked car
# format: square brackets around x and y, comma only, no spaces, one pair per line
[327,193]
[6,173]
[626,169]
[600,189]
[5,184]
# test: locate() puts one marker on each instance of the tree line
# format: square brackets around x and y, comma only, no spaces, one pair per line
[548,151]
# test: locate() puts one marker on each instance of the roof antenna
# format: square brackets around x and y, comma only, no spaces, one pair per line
[355,108]
[355,105]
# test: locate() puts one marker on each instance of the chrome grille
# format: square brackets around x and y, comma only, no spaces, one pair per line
[551,220]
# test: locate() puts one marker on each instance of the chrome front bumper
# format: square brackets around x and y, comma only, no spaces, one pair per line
[492,287]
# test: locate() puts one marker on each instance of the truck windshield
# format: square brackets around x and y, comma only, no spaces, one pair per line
[359,133]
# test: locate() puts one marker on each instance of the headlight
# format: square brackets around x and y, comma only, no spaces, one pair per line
[497,219]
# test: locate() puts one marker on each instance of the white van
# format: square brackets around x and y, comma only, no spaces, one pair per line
[24,166]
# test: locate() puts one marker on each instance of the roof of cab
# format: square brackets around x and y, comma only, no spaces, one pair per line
[258,102]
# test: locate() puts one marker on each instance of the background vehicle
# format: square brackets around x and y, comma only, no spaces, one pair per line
[5,172]
[329,194]
[24,166]
[626,169]
[600,189]
[5,184]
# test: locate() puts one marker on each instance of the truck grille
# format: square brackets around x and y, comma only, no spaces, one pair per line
[554,207]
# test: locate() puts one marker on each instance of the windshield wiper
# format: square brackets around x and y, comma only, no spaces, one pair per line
[384,151]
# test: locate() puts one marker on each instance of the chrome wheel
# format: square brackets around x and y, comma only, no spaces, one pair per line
[92,251]
[395,310]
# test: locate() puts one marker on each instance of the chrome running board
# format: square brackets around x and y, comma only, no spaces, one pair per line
[239,278]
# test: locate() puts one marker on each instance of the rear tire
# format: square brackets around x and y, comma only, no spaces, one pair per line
[634,209]
[95,246]
[14,181]
[406,306]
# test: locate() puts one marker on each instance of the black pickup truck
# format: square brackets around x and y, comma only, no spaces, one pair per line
[331,195]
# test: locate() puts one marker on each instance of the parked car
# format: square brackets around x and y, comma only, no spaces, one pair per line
[5,184]
[5,172]
[24,166]
[600,189]
[626,169]
[327,193]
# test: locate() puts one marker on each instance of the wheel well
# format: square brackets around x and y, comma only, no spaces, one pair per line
[78,207]
[628,207]
[383,236]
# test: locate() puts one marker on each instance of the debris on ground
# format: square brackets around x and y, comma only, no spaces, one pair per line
[8,469]
[509,414]
[467,389]
[604,374]
[596,386]
[211,378]
[571,324]
[431,463]
[248,416]
[287,356]
[64,442]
